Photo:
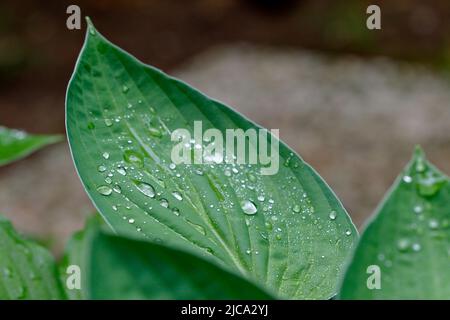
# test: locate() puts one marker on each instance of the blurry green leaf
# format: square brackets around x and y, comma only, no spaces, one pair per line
[16,144]
[27,270]
[77,253]
[121,268]
[408,240]
[287,231]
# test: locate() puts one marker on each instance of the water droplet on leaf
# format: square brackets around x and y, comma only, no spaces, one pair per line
[133,157]
[122,171]
[145,188]
[333,215]
[407,179]
[248,207]
[177,195]
[155,132]
[164,203]
[104,190]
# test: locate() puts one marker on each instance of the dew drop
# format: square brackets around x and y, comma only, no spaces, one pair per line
[296,208]
[172,166]
[145,188]
[177,195]
[133,157]
[416,247]
[155,132]
[108,122]
[105,155]
[418,209]
[433,224]
[420,165]
[407,179]
[176,211]
[429,185]
[101,168]
[227,173]
[332,215]
[248,207]
[261,198]
[122,171]
[117,189]
[403,245]
[125,89]
[131,221]
[348,233]
[164,203]
[114,208]
[104,190]
[108,180]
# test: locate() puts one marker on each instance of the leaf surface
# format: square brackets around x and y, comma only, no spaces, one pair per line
[288,230]
[408,240]
[121,268]
[27,270]
[16,144]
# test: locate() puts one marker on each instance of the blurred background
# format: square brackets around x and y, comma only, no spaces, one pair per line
[352,101]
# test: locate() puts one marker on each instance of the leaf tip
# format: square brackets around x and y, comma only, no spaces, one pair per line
[419,154]
[90,26]
[89,21]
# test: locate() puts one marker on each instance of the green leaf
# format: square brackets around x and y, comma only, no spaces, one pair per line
[27,270]
[121,268]
[77,253]
[16,144]
[120,117]
[408,239]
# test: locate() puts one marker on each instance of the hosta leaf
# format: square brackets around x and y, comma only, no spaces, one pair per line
[77,253]
[405,249]
[16,144]
[27,270]
[287,230]
[121,268]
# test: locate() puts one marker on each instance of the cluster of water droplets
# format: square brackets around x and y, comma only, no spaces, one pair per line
[425,183]
[123,180]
